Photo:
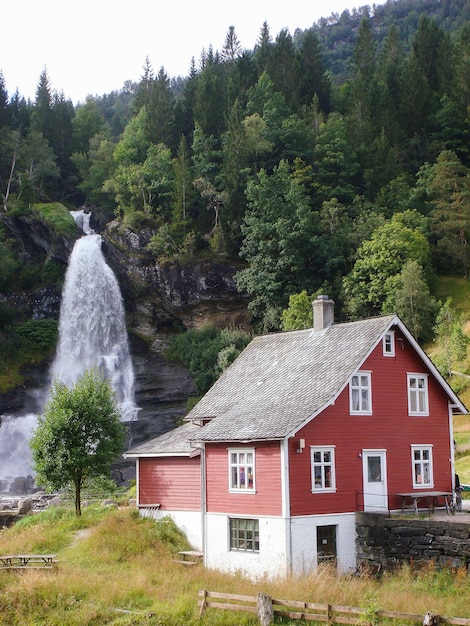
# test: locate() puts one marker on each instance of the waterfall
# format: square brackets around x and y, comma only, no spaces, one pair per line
[92,330]
[15,456]
[92,334]
[82,220]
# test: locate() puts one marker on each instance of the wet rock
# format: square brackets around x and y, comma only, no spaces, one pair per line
[25,506]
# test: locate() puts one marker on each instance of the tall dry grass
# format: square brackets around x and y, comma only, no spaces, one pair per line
[120,572]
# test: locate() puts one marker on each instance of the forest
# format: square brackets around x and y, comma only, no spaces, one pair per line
[333,160]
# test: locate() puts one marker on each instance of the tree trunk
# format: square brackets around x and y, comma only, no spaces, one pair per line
[78,508]
[10,178]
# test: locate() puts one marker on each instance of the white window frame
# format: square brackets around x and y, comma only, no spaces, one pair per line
[241,464]
[418,395]
[422,466]
[239,538]
[322,463]
[388,343]
[359,383]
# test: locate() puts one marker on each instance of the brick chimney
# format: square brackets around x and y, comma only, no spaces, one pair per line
[323,313]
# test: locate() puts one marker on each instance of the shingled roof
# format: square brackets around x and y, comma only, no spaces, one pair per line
[173,443]
[281,380]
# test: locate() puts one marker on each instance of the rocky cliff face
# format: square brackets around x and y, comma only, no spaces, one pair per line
[163,298]
[159,301]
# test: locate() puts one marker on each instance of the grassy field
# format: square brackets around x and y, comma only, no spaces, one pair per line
[116,568]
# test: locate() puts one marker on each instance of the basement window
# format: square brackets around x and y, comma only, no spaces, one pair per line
[244,534]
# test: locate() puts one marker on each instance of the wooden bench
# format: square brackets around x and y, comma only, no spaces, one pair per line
[28,561]
[431,498]
[189,557]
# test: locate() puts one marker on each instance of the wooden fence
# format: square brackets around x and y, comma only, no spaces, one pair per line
[266,607]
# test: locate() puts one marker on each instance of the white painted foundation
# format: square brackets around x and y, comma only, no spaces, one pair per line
[269,562]
[304,542]
[187,521]
[280,539]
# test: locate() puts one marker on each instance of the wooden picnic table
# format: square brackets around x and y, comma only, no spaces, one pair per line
[431,497]
[18,561]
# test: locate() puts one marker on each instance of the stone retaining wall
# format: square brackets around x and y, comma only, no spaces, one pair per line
[391,541]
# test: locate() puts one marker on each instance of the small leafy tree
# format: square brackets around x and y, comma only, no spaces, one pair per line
[380,260]
[450,339]
[412,301]
[79,434]
[299,314]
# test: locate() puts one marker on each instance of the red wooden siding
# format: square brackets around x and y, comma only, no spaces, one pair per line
[389,428]
[266,500]
[172,482]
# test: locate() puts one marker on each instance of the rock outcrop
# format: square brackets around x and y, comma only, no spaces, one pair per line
[159,299]
[165,297]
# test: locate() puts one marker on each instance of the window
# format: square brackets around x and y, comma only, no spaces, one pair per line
[360,393]
[242,470]
[389,344]
[323,468]
[244,534]
[326,544]
[418,394]
[421,458]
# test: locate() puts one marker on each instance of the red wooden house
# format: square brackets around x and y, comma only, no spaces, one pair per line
[303,430]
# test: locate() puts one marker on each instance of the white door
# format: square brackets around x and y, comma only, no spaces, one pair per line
[374,468]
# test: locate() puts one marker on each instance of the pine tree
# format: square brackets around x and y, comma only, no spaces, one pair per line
[42,117]
[263,50]
[313,79]
[5,117]
[232,49]
[144,89]
[284,70]
[160,111]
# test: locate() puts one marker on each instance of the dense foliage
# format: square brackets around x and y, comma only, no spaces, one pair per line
[207,353]
[327,159]
[79,435]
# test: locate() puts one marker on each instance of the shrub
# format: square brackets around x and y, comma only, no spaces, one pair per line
[38,337]
[207,352]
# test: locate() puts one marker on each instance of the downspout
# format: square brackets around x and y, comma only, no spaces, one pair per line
[285,486]
[203,501]
[137,483]
[452,450]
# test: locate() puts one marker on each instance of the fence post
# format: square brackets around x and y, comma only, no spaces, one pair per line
[203,594]
[265,609]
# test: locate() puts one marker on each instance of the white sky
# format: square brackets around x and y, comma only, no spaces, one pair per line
[94,46]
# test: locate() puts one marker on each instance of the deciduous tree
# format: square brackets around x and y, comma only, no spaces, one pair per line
[278,245]
[412,301]
[79,435]
[380,260]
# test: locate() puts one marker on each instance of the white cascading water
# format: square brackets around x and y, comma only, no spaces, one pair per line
[92,334]
[92,330]
[82,220]
[15,455]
